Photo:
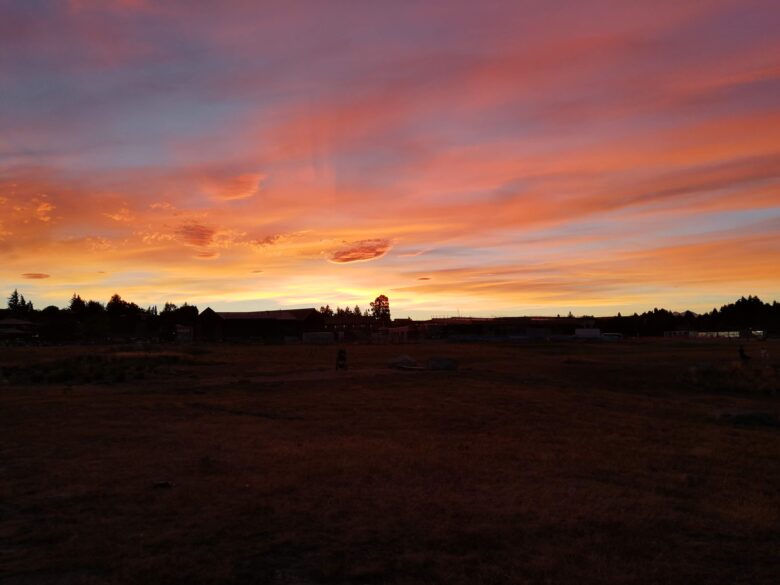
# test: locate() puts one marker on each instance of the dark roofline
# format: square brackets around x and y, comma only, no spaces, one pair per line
[14,322]
[277,315]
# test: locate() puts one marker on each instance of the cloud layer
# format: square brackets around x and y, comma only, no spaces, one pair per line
[360,251]
[603,155]
[35,275]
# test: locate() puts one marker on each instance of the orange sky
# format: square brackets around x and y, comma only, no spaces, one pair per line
[488,158]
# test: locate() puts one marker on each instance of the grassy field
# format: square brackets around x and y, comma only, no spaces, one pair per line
[631,462]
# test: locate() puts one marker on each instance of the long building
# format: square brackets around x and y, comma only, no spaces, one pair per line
[267,326]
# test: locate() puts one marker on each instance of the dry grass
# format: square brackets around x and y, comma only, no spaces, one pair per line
[549,463]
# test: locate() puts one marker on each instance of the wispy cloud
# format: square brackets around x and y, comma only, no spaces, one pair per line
[233,187]
[196,234]
[35,275]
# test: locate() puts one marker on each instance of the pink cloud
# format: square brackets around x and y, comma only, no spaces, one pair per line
[360,251]
[35,275]
[233,188]
[196,234]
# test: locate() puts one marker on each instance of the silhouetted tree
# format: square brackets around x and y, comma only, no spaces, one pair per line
[172,316]
[95,307]
[125,318]
[77,305]
[115,305]
[380,309]
[18,305]
[56,326]
[13,301]
[187,315]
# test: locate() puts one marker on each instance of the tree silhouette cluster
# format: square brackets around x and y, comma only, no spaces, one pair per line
[380,309]
[346,312]
[378,314]
[18,305]
[744,314]
[92,321]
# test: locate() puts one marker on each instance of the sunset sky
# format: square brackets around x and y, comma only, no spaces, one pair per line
[487,158]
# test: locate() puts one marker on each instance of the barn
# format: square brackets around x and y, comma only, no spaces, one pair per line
[286,325]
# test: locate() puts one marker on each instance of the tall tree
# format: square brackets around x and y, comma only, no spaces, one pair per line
[95,307]
[77,305]
[13,301]
[380,309]
[116,305]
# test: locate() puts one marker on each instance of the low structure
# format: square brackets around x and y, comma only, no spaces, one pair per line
[281,326]
[184,333]
[318,338]
[14,330]
[712,334]
[587,333]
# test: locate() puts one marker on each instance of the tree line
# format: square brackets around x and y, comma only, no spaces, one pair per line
[93,321]
[378,313]
[90,320]
[747,313]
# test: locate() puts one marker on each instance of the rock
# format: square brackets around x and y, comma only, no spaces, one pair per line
[750,419]
[402,361]
[442,363]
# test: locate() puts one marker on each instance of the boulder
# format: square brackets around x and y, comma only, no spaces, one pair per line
[750,419]
[402,362]
[442,363]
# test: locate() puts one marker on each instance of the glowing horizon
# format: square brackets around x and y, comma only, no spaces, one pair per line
[517,158]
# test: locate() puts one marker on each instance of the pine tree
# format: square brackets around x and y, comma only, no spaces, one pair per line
[77,304]
[13,301]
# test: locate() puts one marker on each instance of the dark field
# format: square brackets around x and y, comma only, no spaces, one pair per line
[633,462]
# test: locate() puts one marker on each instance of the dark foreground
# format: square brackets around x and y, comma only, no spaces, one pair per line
[634,462]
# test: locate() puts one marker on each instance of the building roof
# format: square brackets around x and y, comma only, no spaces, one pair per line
[280,315]
[14,323]
[11,331]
